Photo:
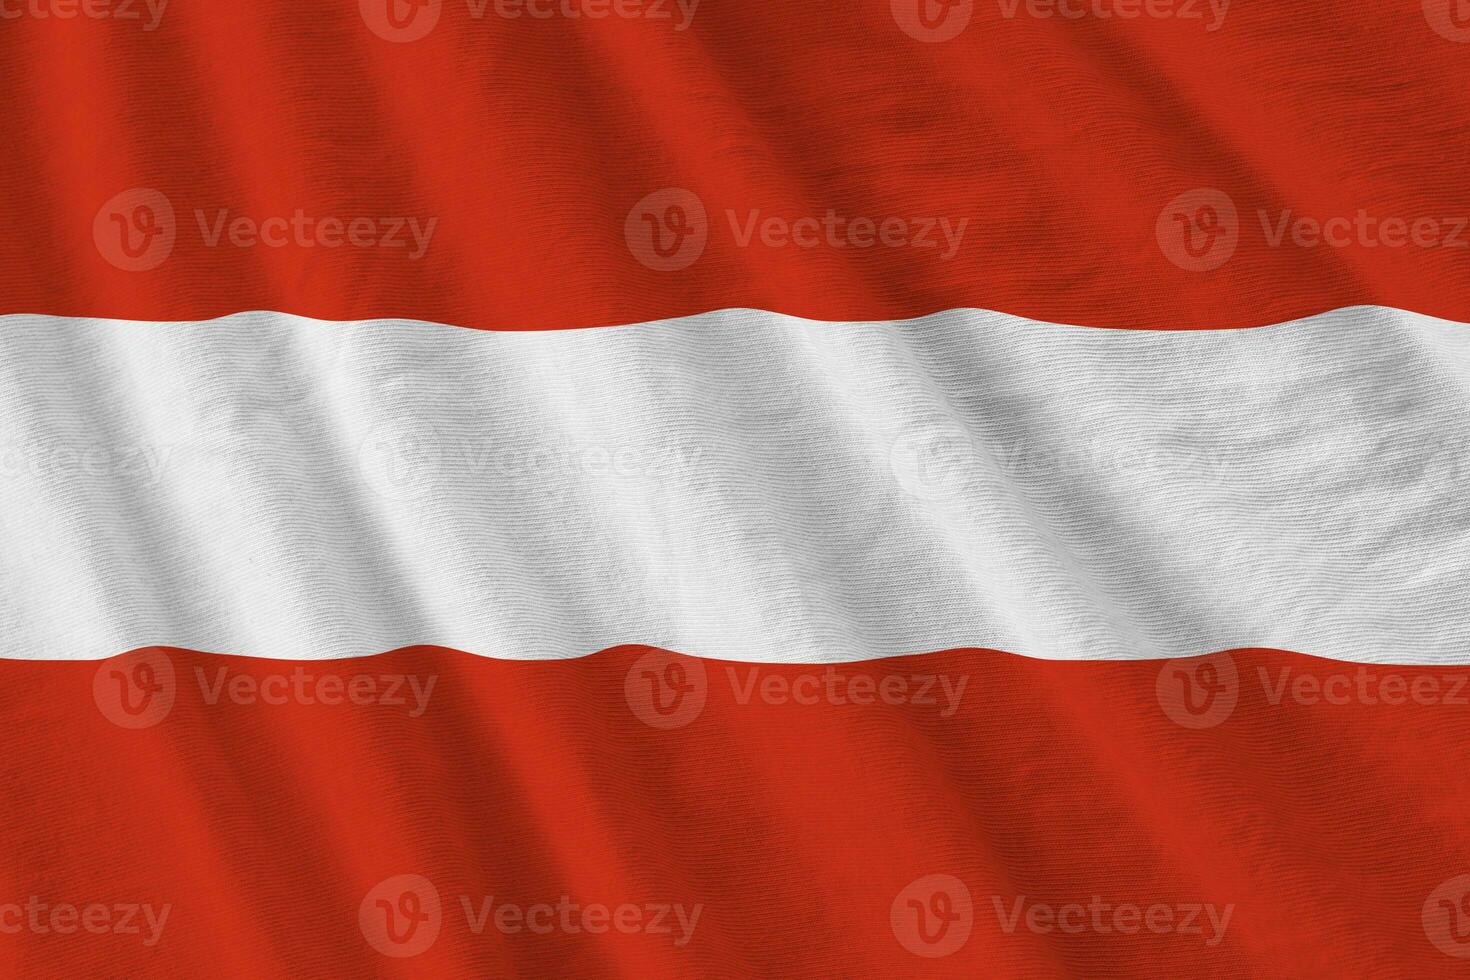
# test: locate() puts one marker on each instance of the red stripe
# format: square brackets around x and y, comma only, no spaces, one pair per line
[1061,141]
[1328,826]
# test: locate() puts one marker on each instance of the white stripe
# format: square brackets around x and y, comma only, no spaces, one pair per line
[739,485]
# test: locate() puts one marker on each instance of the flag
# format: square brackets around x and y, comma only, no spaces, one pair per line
[682,488]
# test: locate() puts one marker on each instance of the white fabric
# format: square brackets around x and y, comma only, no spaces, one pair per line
[739,485]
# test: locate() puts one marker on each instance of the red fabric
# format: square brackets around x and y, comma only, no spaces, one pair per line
[1328,826]
[1061,141]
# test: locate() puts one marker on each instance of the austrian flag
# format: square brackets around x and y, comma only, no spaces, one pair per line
[735,489]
